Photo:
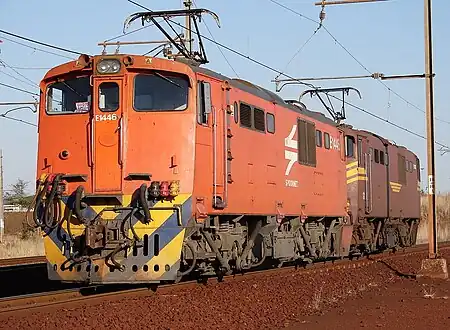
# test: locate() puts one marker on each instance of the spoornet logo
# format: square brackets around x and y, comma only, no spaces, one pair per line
[290,155]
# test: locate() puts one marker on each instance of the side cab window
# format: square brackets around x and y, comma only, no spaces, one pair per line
[204,105]
[349,146]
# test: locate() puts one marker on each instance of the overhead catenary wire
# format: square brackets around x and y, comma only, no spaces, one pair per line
[298,51]
[15,78]
[29,68]
[18,89]
[18,73]
[290,77]
[220,49]
[41,43]
[18,120]
[37,49]
[356,59]
[225,47]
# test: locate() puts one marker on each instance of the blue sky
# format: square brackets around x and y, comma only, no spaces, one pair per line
[385,37]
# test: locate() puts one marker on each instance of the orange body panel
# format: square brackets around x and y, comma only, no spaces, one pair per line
[266,177]
[107,147]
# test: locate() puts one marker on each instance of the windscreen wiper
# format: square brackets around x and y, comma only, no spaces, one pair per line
[166,79]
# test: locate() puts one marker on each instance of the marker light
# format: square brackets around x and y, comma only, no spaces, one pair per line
[154,189]
[108,66]
[164,189]
[174,188]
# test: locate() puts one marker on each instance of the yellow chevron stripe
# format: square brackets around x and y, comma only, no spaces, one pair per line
[109,215]
[356,178]
[54,256]
[396,187]
[169,255]
[352,164]
[354,171]
[159,217]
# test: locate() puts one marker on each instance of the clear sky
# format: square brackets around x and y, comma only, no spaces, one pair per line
[385,37]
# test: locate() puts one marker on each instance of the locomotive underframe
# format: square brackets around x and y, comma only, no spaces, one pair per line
[226,244]
[374,234]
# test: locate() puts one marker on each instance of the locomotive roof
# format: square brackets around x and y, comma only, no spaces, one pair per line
[264,94]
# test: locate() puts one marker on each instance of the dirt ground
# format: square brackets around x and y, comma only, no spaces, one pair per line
[404,304]
[373,296]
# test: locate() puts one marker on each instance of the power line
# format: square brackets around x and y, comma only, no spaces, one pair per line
[386,120]
[18,120]
[220,50]
[128,33]
[18,73]
[356,60]
[18,89]
[41,43]
[37,49]
[225,47]
[288,76]
[15,78]
[29,68]
[299,50]
[295,12]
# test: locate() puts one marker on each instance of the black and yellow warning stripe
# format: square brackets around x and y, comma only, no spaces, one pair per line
[355,173]
[167,227]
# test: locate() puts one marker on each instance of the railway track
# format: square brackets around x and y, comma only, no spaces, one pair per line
[92,294]
[22,261]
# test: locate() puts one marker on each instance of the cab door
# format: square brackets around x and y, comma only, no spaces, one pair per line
[107,136]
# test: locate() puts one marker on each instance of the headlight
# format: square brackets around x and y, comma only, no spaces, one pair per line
[108,66]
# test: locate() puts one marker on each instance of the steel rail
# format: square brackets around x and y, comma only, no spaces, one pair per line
[22,261]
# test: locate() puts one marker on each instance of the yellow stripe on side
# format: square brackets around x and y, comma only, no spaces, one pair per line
[355,171]
[357,178]
[352,164]
[396,187]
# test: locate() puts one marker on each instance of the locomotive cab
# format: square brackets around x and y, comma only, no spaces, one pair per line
[116,135]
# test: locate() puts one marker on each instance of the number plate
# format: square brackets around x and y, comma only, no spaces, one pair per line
[108,117]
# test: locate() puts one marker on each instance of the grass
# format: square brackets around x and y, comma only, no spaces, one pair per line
[14,246]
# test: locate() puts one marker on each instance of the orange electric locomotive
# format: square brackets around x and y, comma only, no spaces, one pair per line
[151,169]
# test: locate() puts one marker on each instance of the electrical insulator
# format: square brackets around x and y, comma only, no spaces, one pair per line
[322,15]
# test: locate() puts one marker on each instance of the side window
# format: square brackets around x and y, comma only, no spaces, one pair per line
[349,146]
[318,138]
[236,112]
[259,120]
[245,115]
[270,122]
[306,143]
[401,169]
[377,156]
[381,157]
[204,101]
[326,140]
